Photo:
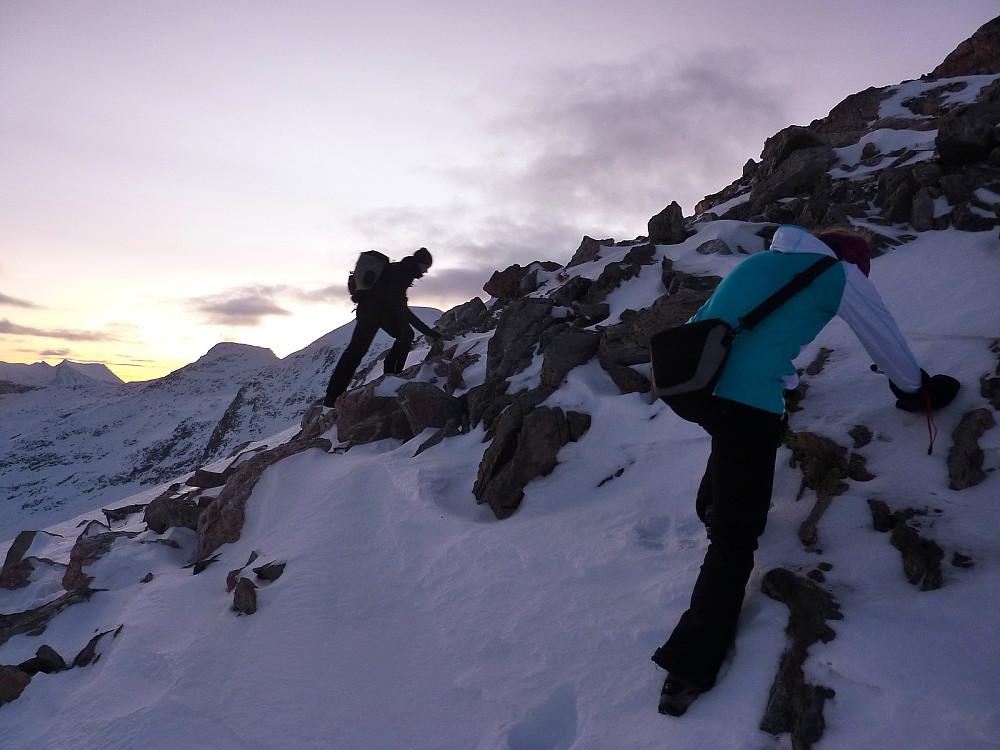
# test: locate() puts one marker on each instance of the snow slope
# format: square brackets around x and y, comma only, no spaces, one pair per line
[409,618]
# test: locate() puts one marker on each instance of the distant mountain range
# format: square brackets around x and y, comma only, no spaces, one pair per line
[76,434]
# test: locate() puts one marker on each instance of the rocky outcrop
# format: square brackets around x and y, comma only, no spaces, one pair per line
[921,557]
[824,465]
[222,521]
[794,706]
[524,447]
[90,547]
[977,55]
[668,227]
[965,459]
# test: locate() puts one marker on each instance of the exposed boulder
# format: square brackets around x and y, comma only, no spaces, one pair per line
[801,171]
[245,597]
[667,227]
[469,316]
[425,405]
[524,446]
[13,681]
[589,250]
[46,660]
[965,459]
[363,417]
[517,281]
[173,509]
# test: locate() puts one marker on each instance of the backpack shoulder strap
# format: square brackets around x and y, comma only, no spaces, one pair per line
[798,282]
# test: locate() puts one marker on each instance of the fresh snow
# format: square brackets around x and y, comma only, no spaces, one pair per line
[409,618]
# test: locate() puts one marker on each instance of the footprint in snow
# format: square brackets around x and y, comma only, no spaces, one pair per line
[550,726]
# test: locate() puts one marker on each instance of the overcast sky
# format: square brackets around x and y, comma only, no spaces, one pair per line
[175,173]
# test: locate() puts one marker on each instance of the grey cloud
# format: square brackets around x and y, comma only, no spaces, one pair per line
[54,353]
[245,306]
[6,299]
[619,142]
[8,327]
[594,150]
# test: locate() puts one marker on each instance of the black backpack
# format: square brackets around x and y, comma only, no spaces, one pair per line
[366,275]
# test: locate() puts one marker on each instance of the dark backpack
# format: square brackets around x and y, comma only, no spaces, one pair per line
[366,275]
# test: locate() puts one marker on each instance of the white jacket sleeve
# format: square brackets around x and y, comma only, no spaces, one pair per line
[863,310]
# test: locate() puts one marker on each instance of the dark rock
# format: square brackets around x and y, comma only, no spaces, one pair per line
[667,227]
[425,405]
[271,571]
[89,655]
[505,284]
[589,250]
[572,291]
[245,597]
[13,681]
[966,219]
[234,575]
[46,660]
[824,465]
[451,429]
[862,435]
[977,55]
[469,316]
[794,706]
[921,557]
[922,210]
[120,514]
[170,510]
[524,446]
[87,550]
[34,621]
[207,479]
[566,351]
[714,247]
[897,188]
[222,521]
[965,459]
[362,417]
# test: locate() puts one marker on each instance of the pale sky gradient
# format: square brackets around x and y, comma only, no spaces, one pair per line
[175,173]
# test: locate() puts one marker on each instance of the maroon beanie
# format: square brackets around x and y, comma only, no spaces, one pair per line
[850,247]
[423,257]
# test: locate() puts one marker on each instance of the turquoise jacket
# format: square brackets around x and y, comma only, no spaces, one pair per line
[760,368]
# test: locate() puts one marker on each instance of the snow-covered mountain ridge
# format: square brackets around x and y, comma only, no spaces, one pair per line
[72,443]
[406,616]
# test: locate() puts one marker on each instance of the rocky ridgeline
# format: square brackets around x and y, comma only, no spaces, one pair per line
[555,317]
[956,185]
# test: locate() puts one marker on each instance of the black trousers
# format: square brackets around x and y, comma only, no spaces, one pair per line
[366,326]
[733,501]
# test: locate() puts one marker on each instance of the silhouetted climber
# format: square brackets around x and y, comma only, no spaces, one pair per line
[743,416]
[383,306]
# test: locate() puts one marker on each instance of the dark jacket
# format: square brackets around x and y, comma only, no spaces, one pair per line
[387,300]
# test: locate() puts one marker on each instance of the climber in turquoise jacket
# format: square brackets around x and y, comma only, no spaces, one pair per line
[744,418]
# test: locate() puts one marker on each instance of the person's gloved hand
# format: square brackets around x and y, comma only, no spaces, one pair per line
[940,390]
